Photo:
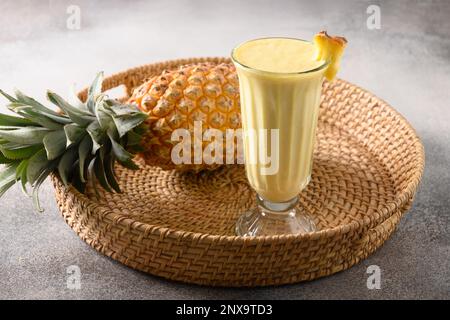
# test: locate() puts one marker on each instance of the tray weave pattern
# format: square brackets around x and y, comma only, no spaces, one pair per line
[368,162]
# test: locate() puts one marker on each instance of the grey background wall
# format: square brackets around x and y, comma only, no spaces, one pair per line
[406,62]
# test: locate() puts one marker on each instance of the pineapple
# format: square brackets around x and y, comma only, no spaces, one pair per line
[175,99]
[331,49]
[83,141]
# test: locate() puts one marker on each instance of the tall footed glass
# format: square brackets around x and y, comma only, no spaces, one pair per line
[279,119]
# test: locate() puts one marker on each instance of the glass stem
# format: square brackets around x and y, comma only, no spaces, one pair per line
[276,207]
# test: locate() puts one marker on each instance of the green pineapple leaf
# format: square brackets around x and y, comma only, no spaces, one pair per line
[104,119]
[133,138]
[84,151]
[19,153]
[28,101]
[119,152]
[55,144]
[81,142]
[25,135]
[126,123]
[20,109]
[36,165]
[94,90]
[99,171]
[74,133]
[65,165]
[7,96]
[129,164]
[37,186]
[76,115]
[21,174]
[7,120]
[35,116]
[8,177]
[77,183]
[108,165]
[4,160]
[97,135]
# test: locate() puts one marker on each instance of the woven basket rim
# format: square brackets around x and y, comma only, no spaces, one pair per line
[384,212]
[407,193]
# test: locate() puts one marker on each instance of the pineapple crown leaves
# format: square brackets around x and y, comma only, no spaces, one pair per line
[81,142]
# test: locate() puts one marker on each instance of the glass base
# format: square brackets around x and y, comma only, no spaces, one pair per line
[269,218]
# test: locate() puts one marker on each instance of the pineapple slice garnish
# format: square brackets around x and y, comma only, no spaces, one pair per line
[329,48]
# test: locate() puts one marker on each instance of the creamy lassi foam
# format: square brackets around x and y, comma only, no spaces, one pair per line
[279,55]
[280,87]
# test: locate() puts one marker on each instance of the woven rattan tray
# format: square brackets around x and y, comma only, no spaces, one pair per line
[367,164]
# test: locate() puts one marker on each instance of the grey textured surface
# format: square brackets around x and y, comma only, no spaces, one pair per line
[406,62]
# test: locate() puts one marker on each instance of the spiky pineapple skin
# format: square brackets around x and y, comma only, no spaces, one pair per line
[205,92]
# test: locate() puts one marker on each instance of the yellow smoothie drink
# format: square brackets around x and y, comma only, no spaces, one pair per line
[280,85]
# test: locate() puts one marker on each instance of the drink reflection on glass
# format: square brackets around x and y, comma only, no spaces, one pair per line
[280,86]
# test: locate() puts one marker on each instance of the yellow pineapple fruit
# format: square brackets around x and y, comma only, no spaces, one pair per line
[205,92]
[331,49]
